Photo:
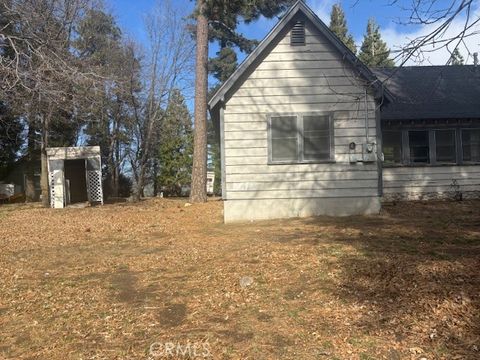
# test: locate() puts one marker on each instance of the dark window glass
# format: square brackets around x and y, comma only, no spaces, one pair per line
[445,148]
[284,138]
[419,146]
[471,145]
[392,146]
[316,137]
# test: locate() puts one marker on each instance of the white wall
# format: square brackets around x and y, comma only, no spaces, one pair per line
[300,79]
[429,182]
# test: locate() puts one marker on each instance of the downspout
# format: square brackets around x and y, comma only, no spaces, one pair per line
[367,130]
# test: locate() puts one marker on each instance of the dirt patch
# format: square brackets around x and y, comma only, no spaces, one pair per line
[173,315]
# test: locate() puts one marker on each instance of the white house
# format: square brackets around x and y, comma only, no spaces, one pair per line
[300,126]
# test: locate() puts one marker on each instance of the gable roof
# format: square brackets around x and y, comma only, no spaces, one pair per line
[431,92]
[298,7]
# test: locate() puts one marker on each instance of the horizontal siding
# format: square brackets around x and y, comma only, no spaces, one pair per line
[261,125]
[298,90]
[275,107]
[338,168]
[301,185]
[358,102]
[302,176]
[407,180]
[301,194]
[304,79]
[279,82]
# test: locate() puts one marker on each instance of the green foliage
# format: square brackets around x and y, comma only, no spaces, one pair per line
[99,43]
[374,51]
[176,146]
[11,140]
[456,58]
[224,64]
[338,25]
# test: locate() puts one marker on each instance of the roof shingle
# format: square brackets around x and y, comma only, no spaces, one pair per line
[431,92]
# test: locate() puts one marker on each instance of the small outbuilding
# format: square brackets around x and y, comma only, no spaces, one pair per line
[75,175]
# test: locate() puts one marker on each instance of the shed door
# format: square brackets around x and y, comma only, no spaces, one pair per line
[75,173]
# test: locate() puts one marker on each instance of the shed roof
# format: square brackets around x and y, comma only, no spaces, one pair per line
[431,92]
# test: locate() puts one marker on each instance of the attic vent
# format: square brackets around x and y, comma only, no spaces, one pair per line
[297,36]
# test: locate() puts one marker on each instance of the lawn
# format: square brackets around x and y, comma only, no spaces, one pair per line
[134,281]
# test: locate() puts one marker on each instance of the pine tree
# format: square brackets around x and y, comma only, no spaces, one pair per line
[175,148]
[218,21]
[456,58]
[374,51]
[338,25]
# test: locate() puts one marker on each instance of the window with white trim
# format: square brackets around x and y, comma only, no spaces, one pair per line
[301,138]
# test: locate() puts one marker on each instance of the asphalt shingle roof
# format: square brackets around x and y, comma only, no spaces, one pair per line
[431,92]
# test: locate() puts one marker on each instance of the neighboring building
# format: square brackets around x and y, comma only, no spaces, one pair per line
[301,121]
[18,177]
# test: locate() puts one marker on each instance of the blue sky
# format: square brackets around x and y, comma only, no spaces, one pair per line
[130,15]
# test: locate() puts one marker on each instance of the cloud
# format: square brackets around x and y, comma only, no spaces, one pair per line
[397,37]
[322,8]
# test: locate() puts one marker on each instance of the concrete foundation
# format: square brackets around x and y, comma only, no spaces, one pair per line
[264,209]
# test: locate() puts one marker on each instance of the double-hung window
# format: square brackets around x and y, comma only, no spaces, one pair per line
[301,138]
[445,146]
[471,145]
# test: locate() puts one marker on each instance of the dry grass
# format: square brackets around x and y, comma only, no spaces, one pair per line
[107,282]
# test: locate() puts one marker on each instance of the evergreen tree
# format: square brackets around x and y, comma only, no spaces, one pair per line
[175,148]
[11,139]
[456,58]
[223,19]
[374,51]
[338,25]
[99,43]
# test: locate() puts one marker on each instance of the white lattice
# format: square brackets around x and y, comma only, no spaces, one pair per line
[52,188]
[94,183]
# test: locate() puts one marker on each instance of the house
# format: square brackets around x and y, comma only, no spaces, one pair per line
[301,123]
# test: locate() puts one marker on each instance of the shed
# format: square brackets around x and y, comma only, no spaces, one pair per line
[75,175]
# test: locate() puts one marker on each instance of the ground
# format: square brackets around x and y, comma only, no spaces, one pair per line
[132,281]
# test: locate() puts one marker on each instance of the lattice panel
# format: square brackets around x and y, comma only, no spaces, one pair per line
[52,188]
[94,179]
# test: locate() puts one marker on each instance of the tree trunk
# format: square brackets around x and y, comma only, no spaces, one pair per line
[30,195]
[44,164]
[198,191]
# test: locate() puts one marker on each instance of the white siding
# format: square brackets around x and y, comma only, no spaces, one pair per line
[301,79]
[415,183]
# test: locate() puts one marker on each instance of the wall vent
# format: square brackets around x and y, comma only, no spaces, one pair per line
[297,35]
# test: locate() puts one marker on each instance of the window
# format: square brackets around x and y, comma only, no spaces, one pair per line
[471,145]
[445,146]
[419,146]
[316,137]
[297,35]
[284,138]
[392,146]
[300,138]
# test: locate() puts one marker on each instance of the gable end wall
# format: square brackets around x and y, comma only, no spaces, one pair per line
[298,79]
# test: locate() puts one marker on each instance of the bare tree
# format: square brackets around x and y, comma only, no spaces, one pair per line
[199,171]
[41,75]
[447,26]
[168,67]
